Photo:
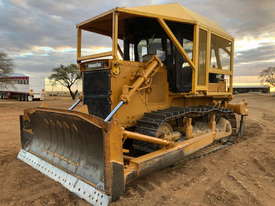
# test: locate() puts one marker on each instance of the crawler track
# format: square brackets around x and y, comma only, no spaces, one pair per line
[151,121]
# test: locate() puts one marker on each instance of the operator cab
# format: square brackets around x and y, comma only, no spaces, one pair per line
[144,38]
[197,54]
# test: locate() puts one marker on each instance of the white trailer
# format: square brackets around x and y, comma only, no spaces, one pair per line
[21,87]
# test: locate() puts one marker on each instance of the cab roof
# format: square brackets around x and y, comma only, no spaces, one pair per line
[174,12]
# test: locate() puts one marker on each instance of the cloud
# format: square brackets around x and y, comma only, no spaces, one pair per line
[40,35]
[263,53]
[252,69]
[253,60]
[241,18]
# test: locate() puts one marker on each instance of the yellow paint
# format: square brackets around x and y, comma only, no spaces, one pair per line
[143,87]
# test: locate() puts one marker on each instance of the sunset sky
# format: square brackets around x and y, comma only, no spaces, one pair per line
[40,35]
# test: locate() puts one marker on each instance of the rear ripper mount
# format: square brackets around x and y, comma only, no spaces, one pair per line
[144,107]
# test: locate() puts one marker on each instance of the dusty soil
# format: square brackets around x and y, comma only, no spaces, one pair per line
[243,174]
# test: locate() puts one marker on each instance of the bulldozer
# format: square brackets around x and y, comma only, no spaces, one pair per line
[161,93]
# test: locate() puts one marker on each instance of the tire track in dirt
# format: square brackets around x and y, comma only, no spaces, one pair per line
[30,187]
[218,193]
[255,181]
[240,175]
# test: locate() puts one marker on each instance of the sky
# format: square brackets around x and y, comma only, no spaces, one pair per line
[40,35]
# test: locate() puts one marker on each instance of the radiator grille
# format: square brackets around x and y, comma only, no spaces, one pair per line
[97,91]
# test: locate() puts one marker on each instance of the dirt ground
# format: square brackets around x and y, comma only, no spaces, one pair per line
[240,175]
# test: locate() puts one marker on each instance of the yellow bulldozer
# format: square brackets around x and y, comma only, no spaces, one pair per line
[161,93]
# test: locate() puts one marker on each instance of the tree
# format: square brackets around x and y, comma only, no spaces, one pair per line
[268,76]
[6,64]
[67,76]
[6,67]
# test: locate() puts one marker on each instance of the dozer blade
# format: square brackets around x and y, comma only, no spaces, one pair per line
[70,148]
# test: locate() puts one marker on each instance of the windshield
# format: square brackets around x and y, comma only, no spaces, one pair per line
[149,47]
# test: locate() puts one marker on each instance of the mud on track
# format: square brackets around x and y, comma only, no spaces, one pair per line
[243,174]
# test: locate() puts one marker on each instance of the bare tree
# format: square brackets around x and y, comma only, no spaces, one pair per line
[268,76]
[67,76]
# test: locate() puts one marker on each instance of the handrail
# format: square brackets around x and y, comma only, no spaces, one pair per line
[220,71]
[94,56]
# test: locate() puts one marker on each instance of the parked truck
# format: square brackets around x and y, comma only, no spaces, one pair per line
[21,87]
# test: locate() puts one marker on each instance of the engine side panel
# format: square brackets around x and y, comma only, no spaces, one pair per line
[145,100]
